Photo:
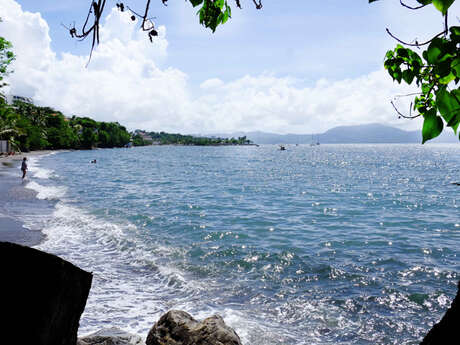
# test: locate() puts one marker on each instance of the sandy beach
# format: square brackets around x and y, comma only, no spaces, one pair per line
[13,192]
[6,160]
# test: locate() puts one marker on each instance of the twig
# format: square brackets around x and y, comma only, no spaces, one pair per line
[410,7]
[402,115]
[416,44]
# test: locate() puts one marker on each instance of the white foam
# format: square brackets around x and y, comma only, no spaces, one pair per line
[37,171]
[131,288]
[47,192]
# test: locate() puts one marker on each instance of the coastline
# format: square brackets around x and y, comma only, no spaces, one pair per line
[13,190]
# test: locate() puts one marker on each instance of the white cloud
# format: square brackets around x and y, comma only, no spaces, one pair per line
[211,83]
[276,104]
[124,83]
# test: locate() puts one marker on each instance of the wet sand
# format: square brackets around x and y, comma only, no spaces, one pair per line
[13,191]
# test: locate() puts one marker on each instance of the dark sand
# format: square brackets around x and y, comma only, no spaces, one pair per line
[14,194]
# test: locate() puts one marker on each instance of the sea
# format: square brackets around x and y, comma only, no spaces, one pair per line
[329,244]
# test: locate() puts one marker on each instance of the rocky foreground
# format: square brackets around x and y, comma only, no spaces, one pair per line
[43,297]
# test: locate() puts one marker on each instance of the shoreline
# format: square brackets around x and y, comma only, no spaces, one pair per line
[13,190]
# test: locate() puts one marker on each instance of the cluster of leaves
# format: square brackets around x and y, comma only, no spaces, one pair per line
[6,57]
[29,127]
[141,138]
[212,12]
[436,73]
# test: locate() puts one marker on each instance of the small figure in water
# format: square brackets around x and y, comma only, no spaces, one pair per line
[93,161]
[24,167]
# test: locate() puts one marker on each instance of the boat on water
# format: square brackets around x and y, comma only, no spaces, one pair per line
[313,142]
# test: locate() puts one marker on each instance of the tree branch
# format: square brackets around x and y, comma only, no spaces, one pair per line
[405,116]
[416,44]
[410,7]
[96,10]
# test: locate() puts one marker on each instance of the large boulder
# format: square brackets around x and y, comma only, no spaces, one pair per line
[446,331]
[42,297]
[110,336]
[180,328]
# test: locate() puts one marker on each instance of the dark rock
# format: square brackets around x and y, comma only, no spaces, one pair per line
[180,328]
[110,336]
[42,296]
[446,331]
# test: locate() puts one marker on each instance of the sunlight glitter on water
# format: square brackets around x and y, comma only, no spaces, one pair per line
[341,244]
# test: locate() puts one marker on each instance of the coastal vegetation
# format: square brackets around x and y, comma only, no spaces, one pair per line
[29,127]
[141,138]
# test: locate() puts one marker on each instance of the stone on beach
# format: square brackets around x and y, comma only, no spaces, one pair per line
[180,328]
[110,336]
[43,297]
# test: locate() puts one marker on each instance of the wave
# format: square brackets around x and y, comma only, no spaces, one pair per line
[131,284]
[37,170]
[47,192]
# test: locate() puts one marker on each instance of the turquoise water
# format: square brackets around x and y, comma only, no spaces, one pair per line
[351,244]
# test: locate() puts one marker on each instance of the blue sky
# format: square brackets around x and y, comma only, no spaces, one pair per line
[294,66]
[295,38]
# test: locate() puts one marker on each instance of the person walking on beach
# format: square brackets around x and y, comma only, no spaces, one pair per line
[24,167]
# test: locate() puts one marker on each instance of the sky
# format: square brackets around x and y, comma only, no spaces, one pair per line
[295,66]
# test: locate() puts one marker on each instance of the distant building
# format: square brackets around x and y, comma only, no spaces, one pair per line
[146,137]
[22,99]
[143,135]
[5,146]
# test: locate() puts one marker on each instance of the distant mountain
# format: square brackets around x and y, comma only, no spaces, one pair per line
[361,134]
[372,133]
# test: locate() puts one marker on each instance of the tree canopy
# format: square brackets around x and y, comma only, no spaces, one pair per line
[436,73]
[30,127]
[6,57]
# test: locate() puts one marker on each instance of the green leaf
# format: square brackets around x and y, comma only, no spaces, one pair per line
[455,30]
[225,16]
[447,79]
[195,3]
[455,66]
[434,51]
[455,33]
[432,126]
[219,3]
[408,76]
[443,5]
[402,52]
[426,88]
[449,106]
[455,121]
[389,55]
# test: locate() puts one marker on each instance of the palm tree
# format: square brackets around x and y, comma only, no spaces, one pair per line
[8,129]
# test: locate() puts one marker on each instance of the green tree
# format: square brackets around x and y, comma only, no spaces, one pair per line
[6,57]
[88,138]
[8,128]
[436,72]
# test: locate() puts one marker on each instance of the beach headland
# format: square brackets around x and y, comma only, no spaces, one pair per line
[13,191]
